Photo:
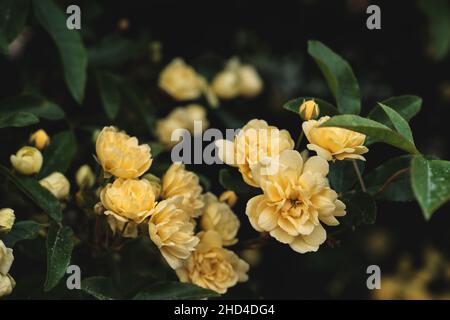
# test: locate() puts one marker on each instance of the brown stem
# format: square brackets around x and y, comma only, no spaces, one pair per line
[390,180]
[358,174]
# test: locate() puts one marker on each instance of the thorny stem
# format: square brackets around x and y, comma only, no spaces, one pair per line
[390,179]
[358,174]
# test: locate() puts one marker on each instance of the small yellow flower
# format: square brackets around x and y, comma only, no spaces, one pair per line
[7,285]
[7,219]
[250,83]
[332,143]
[124,227]
[128,199]
[177,181]
[181,81]
[121,155]
[28,160]
[155,182]
[229,197]
[172,230]
[211,266]
[226,84]
[309,110]
[40,139]
[6,258]
[57,184]
[295,200]
[180,118]
[85,177]
[255,141]
[219,217]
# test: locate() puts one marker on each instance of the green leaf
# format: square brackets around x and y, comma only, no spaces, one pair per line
[205,182]
[18,119]
[36,105]
[70,47]
[22,230]
[112,50]
[141,104]
[232,180]
[33,190]
[13,14]
[156,148]
[100,288]
[59,154]
[326,108]
[59,251]
[399,123]
[373,129]
[399,188]
[342,175]
[339,76]
[360,207]
[407,106]
[108,84]
[174,291]
[430,183]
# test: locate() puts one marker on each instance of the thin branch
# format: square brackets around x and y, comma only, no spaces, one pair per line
[358,174]
[299,140]
[390,180]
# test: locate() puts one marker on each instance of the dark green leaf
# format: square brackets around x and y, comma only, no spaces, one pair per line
[108,84]
[13,14]
[22,230]
[228,119]
[156,148]
[33,190]
[407,106]
[18,119]
[339,76]
[231,179]
[342,175]
[204,181]
[361,209]
[140,104]
[112,50]
[70,46]
[399,123]
[326,108]
[100,288]
[174,291]
[59,154]
[36,105]
[430,183]
[399,188]
[59,251]
[373,129]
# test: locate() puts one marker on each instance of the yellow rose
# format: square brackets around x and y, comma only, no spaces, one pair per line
[229,197]
[128,199]
[250,83]
[181,81]
[255,141]
[28,160]
[122,226]
[309,110]
[295,200]
[180,118]
[155,182]
[219,217]
[40,139]
[6,258]
[172,230]
[211,266]
[7,285]
[57,184]
[85,177]
[177,181]
[121,155]
[226,84]
[7,219]
[334,143]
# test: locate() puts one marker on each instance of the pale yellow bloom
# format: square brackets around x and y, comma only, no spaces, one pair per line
[255,141]
[122,226]
[295,200]
[309,110]
[7,285]
[219,217]
[172,230]
[85,177]
[40,139]
[226,84]
[333,143]
[57,184]
[250,83]
[229,197]
[181,81]
[155,182]
[177,181]
[211,266]
[28,160]
[121,155]
[128,199]
[7,219]
[181,118]
[6,258]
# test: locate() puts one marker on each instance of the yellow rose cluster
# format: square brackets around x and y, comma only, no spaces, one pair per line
[296,197]
[7,283]
[169,207]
